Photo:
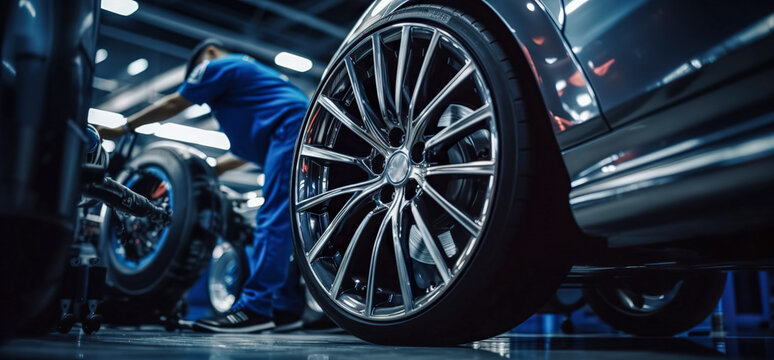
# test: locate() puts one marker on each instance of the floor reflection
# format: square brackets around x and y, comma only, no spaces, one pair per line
[154,343]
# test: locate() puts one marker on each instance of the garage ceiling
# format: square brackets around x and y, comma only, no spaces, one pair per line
[162,32]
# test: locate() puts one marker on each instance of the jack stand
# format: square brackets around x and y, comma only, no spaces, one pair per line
[83,289]
[567,325]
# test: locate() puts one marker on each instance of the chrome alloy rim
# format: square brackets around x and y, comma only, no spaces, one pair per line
[395,171]
[225,279]
[142,240]
[636,301]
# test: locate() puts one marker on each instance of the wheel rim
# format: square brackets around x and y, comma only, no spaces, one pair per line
[144,240]
[636,301]
[393,187]
[225,279]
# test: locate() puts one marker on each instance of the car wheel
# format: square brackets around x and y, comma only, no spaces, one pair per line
[658,304]
[228,271]
[149,269]
[435,213]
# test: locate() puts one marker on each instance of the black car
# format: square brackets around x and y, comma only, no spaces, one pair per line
[460,157]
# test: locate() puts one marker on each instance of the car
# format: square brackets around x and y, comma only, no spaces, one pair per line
[459,159]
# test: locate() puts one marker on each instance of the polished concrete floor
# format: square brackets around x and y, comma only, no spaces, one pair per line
[156,343]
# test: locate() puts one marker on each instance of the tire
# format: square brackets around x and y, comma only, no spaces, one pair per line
[516,261]
[689,300]
[153,287]
[45,92]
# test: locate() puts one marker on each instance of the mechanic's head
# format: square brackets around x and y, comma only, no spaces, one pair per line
[206,50]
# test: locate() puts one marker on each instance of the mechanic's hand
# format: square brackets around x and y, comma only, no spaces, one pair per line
[111,134]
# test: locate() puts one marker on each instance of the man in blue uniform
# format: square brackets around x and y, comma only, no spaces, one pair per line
[261,114]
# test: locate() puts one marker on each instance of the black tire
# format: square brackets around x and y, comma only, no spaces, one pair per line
[693,301]
[142,295]
[509,276]
[44,97]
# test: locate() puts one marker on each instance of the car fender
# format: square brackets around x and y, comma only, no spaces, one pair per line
[571,104]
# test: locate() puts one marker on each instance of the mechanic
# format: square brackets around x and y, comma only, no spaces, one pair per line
[261,114]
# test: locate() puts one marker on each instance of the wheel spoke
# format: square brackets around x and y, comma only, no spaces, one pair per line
[397,230]
[469,224]
[458,128]
[427,238]
[313,201]
[369,303]
[423,72]
[471,168]
[342,116]
[400,74]
[336,286]
[334,224]
[380,73]
[419,124]
[366,113]
[330,156]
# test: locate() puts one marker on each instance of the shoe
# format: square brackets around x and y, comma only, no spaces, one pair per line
[235,321]
[287,321]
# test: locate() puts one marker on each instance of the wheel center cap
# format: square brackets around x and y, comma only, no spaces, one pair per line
[397,168]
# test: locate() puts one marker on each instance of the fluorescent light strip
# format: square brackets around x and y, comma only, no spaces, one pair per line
[293,62]
[195,111]
[213,139]
[171,131]
[573,5]
[106,118]
[120,7]
[138,66]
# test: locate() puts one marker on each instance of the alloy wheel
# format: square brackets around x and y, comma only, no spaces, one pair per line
[395,171]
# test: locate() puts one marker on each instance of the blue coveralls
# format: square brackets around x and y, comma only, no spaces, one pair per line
[261,114]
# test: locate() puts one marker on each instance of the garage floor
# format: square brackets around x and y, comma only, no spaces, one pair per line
[156,343]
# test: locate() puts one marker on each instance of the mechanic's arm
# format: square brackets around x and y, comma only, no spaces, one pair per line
[161,110]
[228,162]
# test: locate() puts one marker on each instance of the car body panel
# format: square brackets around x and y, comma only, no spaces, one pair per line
[570,101]
[555,8]
[635,51]
[673,87]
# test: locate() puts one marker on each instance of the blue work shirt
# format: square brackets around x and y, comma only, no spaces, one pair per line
[249,99]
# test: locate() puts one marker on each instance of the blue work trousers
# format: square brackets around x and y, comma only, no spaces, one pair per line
[274,281]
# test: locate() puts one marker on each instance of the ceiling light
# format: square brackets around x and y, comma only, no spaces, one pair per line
[573,5]
[104,84]
[293,62]
[106,118]
[137,66]
[108,145]
[120,7]
[147,129]
[195,111]
[101,55]
[213,139]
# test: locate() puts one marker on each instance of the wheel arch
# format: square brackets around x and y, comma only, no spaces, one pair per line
[570,103]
